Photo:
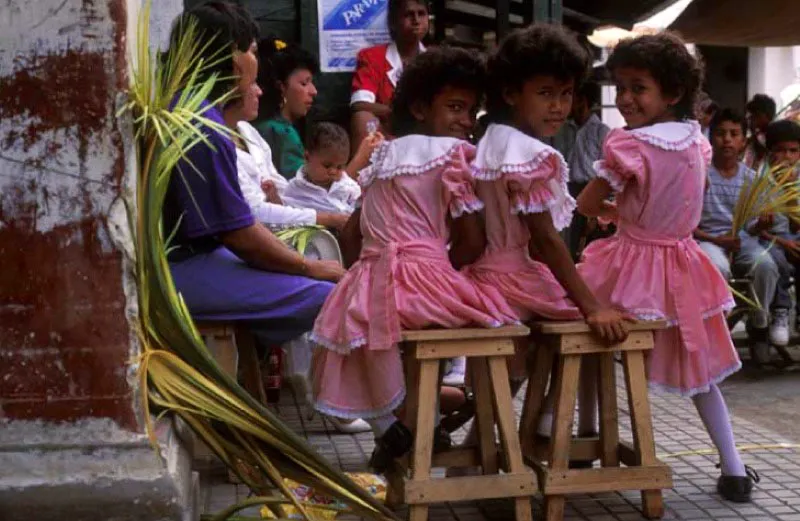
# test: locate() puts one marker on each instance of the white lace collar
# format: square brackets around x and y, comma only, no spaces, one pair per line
[504,149]
[673,135]
[409,155]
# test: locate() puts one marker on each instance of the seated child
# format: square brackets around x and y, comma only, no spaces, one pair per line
[783,146]
[727,175]
[418,197]
[523,183]
[652,267]
[322,183]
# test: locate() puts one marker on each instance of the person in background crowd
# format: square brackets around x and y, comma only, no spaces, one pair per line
[322,183]
[782,139]
[761,111]
[588,148]
[379,68]
[706,108]
[287,79]
[262,186]
[225,264]
[727,176]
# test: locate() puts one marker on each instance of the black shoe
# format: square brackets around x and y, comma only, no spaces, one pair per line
[442,441]
[394,443]
[759,345]
[738,488]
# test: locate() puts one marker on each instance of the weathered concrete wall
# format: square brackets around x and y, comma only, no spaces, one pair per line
[64,339]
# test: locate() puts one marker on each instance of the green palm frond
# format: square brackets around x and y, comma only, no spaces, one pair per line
[178,372]
[298,238]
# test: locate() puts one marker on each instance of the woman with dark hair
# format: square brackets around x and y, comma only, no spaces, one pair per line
[378,68]
[225,265]
[287,79]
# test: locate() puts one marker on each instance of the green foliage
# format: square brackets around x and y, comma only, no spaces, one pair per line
[176,369]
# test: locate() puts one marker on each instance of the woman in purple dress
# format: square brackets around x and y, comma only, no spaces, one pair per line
[225,265]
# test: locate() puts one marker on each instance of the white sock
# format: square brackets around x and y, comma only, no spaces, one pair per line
[545,427]
[715,416]
[458,365]
[381,424]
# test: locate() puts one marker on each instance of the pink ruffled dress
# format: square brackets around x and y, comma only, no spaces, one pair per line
[403,279]
[517,175]
[652,267]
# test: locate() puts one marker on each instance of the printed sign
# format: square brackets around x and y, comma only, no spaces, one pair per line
[346,27]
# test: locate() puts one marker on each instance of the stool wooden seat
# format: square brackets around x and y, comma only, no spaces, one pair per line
[486,350]
[567,343]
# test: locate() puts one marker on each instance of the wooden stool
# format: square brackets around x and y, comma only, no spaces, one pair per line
[233,346]
[487,350]
[570,341]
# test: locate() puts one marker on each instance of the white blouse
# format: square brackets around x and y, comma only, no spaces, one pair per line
[254,166]
[340,198]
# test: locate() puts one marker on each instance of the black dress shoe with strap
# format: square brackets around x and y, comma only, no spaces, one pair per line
[738,489]
[394,443]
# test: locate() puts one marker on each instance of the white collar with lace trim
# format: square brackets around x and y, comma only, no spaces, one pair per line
[410,155]
[394,59]
[673,135]
[504,149]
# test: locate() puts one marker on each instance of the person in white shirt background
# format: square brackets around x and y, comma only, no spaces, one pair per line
[322,183]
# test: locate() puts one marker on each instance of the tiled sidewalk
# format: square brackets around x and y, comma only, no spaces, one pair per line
[678,430]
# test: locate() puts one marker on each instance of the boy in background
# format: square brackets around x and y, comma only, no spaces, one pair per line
[727,176]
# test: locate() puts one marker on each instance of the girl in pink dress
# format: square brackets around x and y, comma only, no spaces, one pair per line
[523,183]
[652,267]
[418,197]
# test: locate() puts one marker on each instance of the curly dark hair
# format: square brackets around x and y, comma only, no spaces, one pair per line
[221,25]
[669,62]
[781,132]
[427,75]
[538,50]
[727,115]
[275,65]
[325,135]
[395,9]
[762,104]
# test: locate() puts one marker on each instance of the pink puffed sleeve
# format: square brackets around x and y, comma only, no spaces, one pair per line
[622,160]
[458,183]
[542,187]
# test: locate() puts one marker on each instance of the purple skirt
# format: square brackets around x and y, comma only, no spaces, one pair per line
[220,286]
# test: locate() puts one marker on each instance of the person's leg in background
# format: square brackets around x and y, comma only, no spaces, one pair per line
[755,262]
[782,303]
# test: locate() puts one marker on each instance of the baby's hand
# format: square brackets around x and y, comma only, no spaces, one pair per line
[271,191]
[367,146]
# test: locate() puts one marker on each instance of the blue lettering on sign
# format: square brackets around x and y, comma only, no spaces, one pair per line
[353,14]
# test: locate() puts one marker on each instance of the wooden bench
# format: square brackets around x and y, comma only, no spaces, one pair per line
[567,343]
[486,350]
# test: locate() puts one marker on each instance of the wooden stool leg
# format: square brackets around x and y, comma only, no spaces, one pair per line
[423,435]
[641,424]
[504,409]
[484,414]
[224,352]
[561,436]
[609,415]
[534,397]
[251,368]
[396,473]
